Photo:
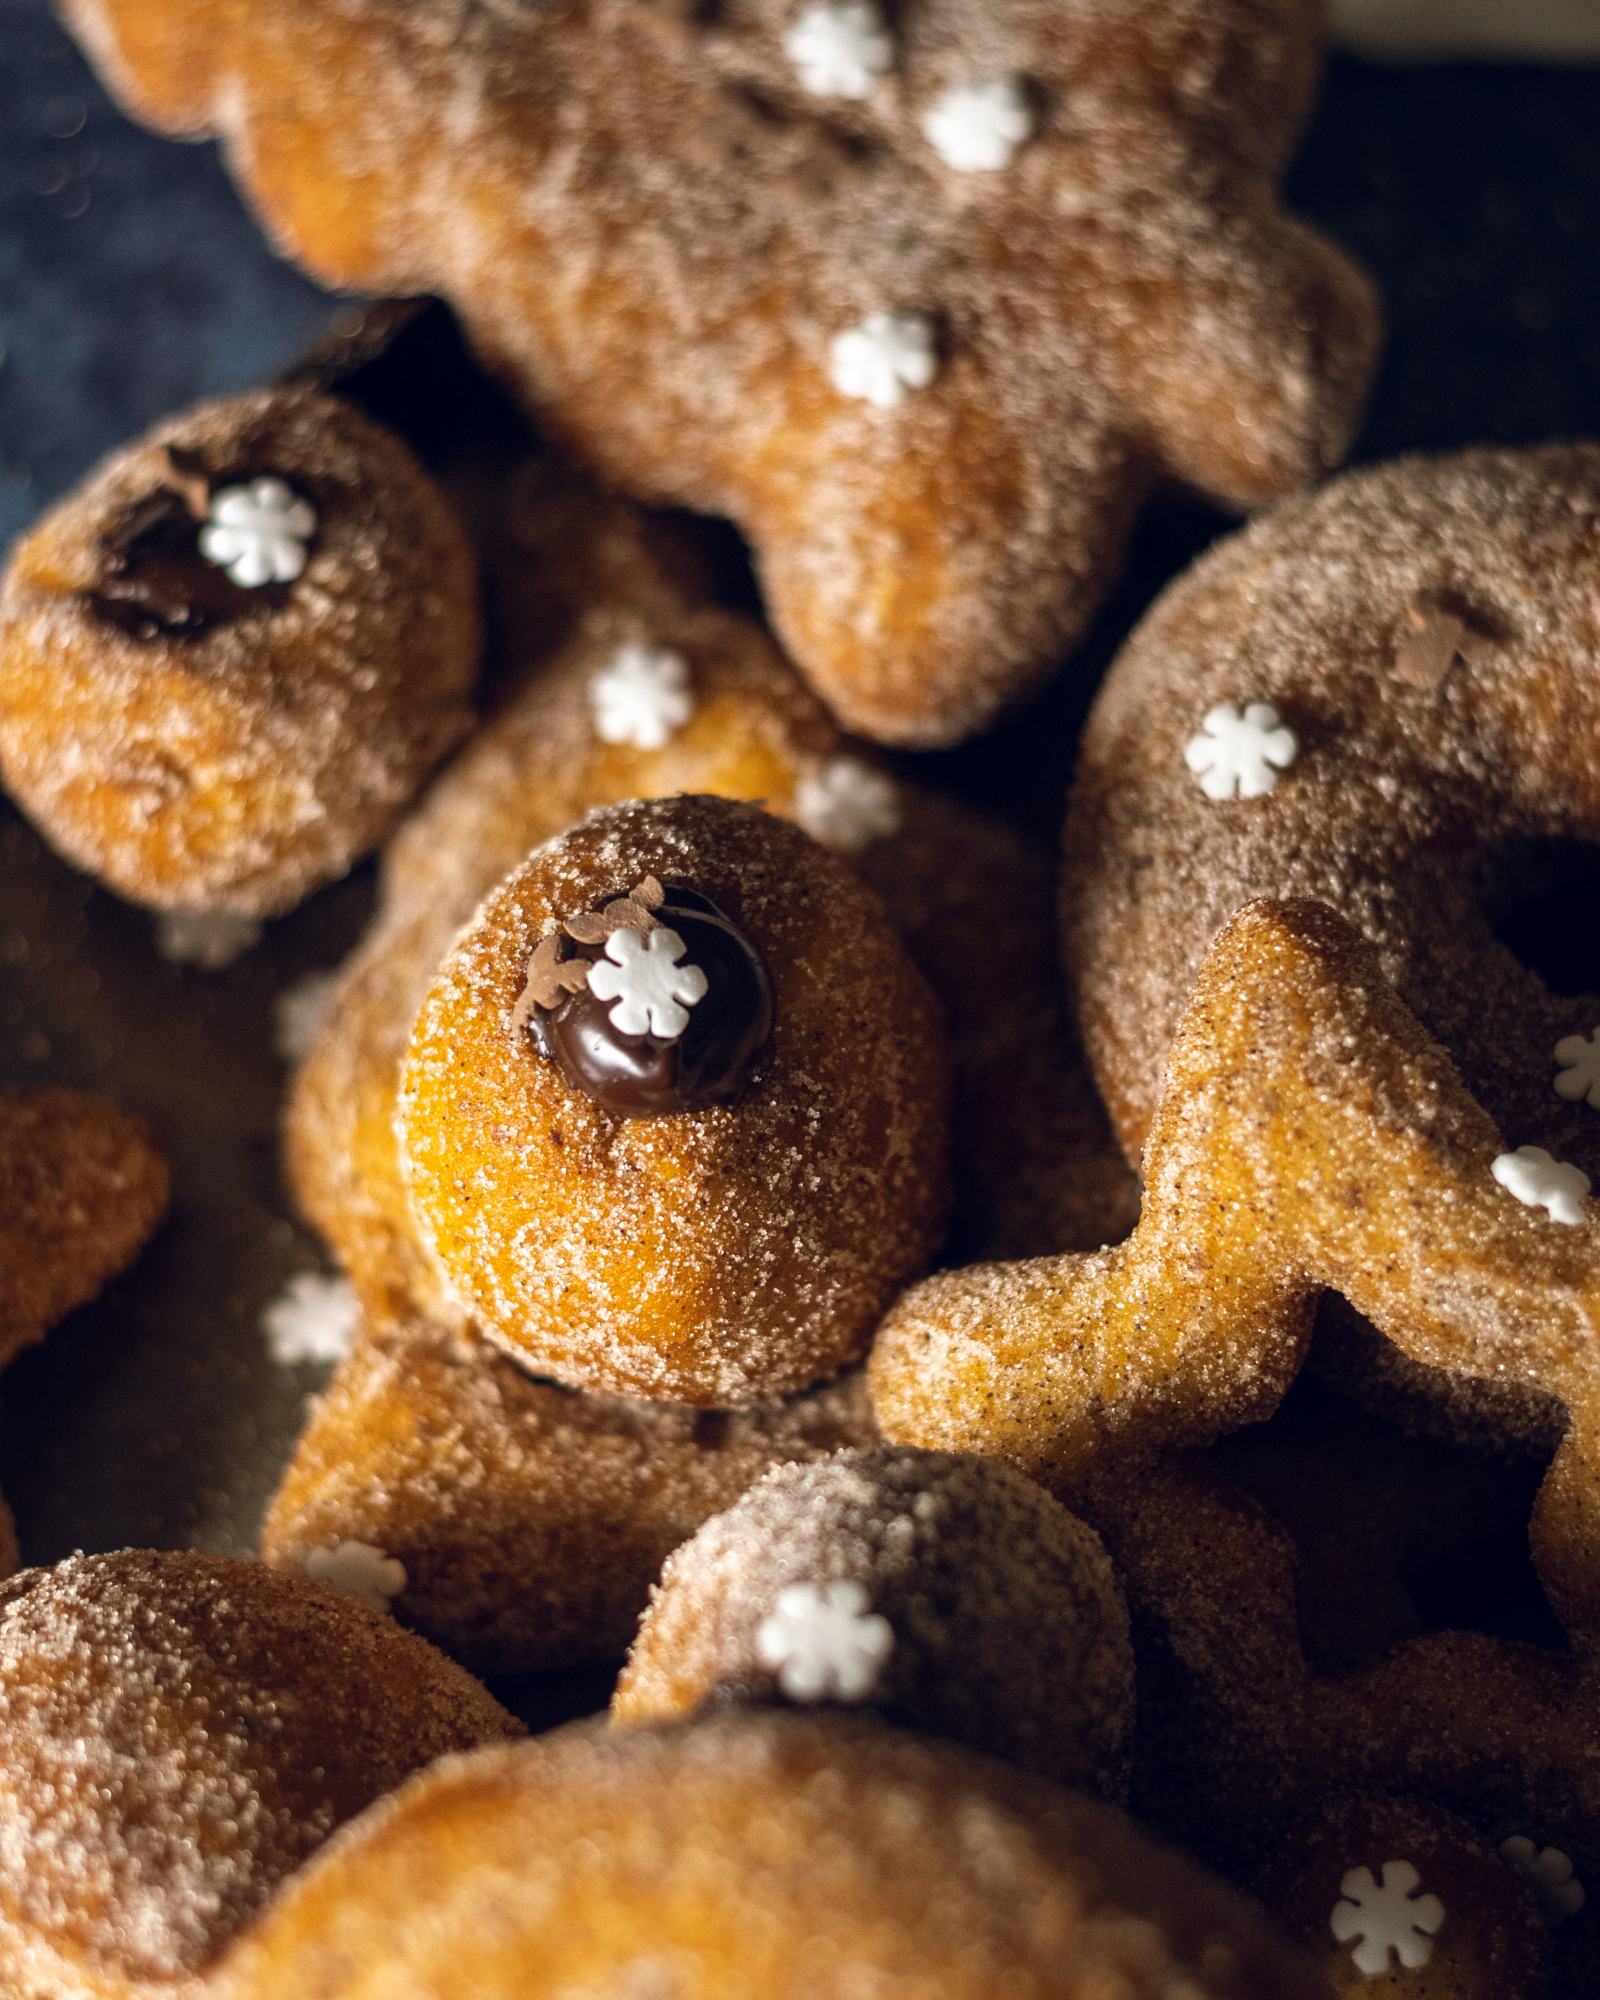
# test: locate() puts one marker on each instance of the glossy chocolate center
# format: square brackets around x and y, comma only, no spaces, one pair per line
[154,582]
[646,1076]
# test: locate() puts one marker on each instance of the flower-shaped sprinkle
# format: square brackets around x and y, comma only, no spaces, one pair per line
[840,47]
[1540,1181]
[1387,1919]
[847,805]
[1240,752]
[360,1571]
[1548,1872]
[642,972]
[641,697]
[883,358]
[311,1319]
[824,1642]
[258,532]
[1578,1078]
[299,1011]
[977,128]
[210,939]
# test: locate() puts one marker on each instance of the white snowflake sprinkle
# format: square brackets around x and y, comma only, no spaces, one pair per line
[1239,753]
[1578,1077]
[299,1011]
[1540,1181]
[840,47]
[258,532]
[643,972]
[360,1571]
[1386,1920]
[641,697]
[210,939]
[883,358]
[1548,1872]
[848,805]
[977,128]
[312,1319]
[824,1642]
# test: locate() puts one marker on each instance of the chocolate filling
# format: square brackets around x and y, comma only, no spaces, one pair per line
[154,582]
[712,1061]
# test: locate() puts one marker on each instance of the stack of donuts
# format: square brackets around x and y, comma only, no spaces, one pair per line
[1061,1396]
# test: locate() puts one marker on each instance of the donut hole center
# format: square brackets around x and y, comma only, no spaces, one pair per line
[1541,907]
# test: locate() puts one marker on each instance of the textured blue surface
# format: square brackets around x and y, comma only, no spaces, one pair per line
[131,280]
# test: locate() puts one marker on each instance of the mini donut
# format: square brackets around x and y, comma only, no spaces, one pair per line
[755,1854]
[229,660]
[573,575]
[933,389]
[1423,634]
[1395,1897]
[674,1113]
[81,1188]
[180,1732]
[1312,1137]
[951,1594]
[530,1520]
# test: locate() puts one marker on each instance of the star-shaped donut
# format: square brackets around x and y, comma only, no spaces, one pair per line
[1311,1138]
[927,299]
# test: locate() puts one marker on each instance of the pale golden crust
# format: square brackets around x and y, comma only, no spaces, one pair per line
[767,1856]
[531,1519]
[1009,1631]
[181,1733]
[655,232]
[727,1255]
[241,767]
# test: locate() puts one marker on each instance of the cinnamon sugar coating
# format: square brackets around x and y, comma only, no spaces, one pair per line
[236,756]
[1312,1137]
[727,1255]
[571,575]
[181,1732]
[531,1519]
[81,1188]
[1417,809]
[656,232]
[1009,1630]
[772,1855]
[1405,807]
